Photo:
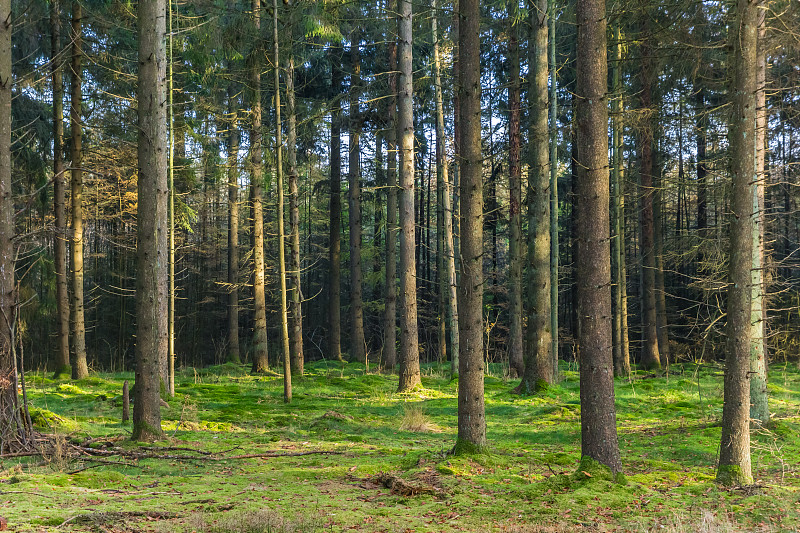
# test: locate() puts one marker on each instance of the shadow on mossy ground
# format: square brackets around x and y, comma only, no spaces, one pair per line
[528,479]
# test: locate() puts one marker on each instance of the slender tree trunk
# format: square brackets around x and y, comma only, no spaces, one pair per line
[538,343]
[759,408]
[234,354]
[650,356]
[59,193]
[335,243]
[171,216]
[358,351]
[287,368]
[553,188]
[593,259]
[622,361]
[79,366]
[701,121]
[658,248]
[443,289]
[734,455]
[456,218]
[390,311]
[296,309]
[14,435]
[260,354]
[515,243]
[409,336]
[471,412]
[151,274]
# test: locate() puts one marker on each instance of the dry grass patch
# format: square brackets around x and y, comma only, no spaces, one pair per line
[415,419]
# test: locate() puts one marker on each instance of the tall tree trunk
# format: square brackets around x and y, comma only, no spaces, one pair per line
[471,412]
[151,274]
[553,187]
[390,311]
[456,218]
[515,244]
[358,349]
[295,307]
[650,356]
[14,434]
[658,249]
[260,354]
[622,360]
[538,342]
[409,336]
[593,259]
[59,193]
[734,455]
[442,288]
[287,367]
[335,242]
[79,366]
[759,408]
[701,126]
[234,355]
[171,216]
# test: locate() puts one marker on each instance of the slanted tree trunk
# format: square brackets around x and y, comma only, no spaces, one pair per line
[734,455]
[14,433]
[59,194]
[650,358]
[260,354]
[538,342]
[471,412]
[593,258]
[622,360]
[79,366]
[287,368]
[759,408]
[409,337]
[234,355]
[335,242]
[358,351]
[151,274]
[515,243]
[390,311]
[295,307]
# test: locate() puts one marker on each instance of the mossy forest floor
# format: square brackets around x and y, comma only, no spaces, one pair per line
[392,471]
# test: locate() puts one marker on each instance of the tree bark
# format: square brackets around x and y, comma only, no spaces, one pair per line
[759,407]
[260,354]
[335,242]
[515,243]
[287,367]
[734,457]
[390,311]
[553,188]
[151,278]
[650,358]
[538,341]
[295,307]
[79,366]
[358,351]
[409,337]
[593,259]
[59,193]
[234,354]
[447,279]
[658,249]
[471,412]
[622,360]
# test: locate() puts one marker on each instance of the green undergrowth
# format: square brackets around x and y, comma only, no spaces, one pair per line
[393,466]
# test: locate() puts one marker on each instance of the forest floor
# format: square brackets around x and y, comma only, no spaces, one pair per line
[389,469]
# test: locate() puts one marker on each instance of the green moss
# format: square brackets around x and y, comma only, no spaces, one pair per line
[732,475]
[464,447]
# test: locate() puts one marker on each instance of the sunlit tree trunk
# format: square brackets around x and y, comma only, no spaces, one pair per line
[471,412]
[409,337]
[734,454]
[79,366]
[151,272]
[335,242]
[593,257]
[59,193]
[287,367]
[759,408]
[260,356]
[234,355]
[538,345]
